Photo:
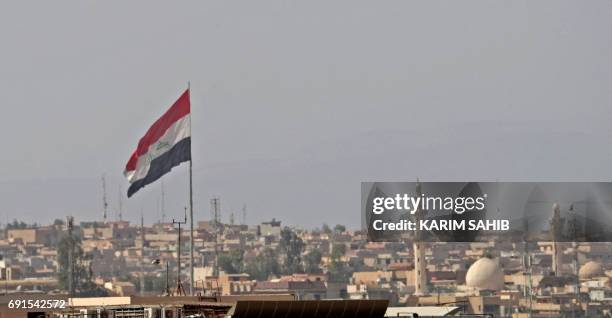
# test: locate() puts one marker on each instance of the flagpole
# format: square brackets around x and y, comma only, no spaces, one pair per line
[190,205]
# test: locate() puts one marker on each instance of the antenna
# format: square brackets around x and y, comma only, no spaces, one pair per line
[163,211]
[574,235]
[120,205]
[244,214]
[142,251]
[71,282]
[158,210]
[215,210]
[104,201]
[527,268]
[180,291]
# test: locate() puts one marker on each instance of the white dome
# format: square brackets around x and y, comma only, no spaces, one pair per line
[591,269]
[485,273]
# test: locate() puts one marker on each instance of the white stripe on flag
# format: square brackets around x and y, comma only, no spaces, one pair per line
[180,130]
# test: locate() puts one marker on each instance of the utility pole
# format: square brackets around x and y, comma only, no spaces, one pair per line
[167,292]
[120,205]
[244,214]
[191,246]
[420,264]
[5,276]
[104,201]
[555,233]
[167,289]
[142,244]
[179,285]
[527,267]
[574,235]
[163,210]
[70,257]
[215,208]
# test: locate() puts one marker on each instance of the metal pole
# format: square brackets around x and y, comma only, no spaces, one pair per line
[191,277]
[530,271]
[167,279]
[179,285]
[215,205]
[5,282]
[178,261]
[70,258]
[142,240]
[163,204]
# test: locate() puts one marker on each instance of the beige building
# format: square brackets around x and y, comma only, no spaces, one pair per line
[235,284]
[121,288]
[26,236]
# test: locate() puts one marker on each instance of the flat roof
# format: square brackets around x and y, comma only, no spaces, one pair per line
[310,308]
[432,311]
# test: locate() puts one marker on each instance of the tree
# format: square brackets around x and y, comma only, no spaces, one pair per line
[291,246]
[339,228]
[356,265]
[232,262]
[338,271]
[325,228]
[16,225]
[395,247]
[338,250]
[263,265]
[152,283]
[312,261]
[82,276]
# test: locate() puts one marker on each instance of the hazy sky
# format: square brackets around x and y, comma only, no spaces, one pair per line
[295,103]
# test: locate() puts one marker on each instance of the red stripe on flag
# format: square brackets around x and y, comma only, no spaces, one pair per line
[178,110]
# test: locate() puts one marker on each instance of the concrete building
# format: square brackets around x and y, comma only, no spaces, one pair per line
[307,290]
[272,228]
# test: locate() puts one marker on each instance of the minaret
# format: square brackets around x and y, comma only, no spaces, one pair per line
[420,265]
[555,229]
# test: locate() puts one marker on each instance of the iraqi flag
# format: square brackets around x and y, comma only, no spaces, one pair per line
[165,145]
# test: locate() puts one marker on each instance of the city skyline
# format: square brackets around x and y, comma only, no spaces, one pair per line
[289,120]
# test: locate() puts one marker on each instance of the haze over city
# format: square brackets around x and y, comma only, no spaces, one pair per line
[294,104]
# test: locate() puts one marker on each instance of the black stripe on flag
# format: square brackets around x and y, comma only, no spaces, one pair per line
[161,165]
